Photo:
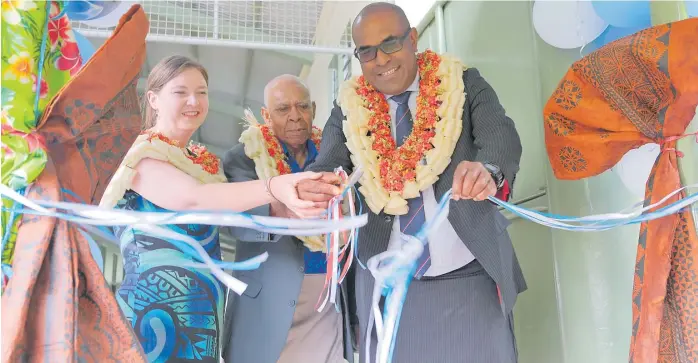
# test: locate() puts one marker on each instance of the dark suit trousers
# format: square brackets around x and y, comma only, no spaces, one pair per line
[451,318]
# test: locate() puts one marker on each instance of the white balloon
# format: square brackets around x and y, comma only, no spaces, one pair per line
[567,24]
[112,19]
[635,167]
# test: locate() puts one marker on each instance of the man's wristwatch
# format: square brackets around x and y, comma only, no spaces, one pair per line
[496,174]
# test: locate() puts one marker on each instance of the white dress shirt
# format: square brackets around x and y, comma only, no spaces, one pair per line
[447,251]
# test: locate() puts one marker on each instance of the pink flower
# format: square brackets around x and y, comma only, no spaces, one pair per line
[44,86]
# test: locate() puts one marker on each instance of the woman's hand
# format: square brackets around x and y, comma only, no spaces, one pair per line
[283,188]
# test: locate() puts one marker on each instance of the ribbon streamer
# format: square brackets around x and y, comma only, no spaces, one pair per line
[393,269]
[602,222]
[337,257]
[88,215]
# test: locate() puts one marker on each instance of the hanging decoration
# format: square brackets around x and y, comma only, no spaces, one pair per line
[634,91]
[567,24]
[592,24]
[64,128]
[109,13]
[581,144]
[624,14]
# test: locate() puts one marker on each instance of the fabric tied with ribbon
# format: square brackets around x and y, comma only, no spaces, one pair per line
[639,89]
[36,63]
[57,305]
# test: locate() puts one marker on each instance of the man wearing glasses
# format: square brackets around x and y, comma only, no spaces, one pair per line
[420,124]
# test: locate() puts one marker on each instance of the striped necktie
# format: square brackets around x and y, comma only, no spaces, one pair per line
[411,222]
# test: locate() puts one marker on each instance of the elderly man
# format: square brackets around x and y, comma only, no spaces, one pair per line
[419,125]
[275,320]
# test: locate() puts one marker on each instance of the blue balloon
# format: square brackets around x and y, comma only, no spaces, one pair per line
[611,33]
[84,45]
[692,7]
[624,14]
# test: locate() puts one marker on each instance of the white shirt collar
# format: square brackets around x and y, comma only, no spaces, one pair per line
[414,87]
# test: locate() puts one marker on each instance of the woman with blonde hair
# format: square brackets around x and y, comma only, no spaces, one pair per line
[176,309]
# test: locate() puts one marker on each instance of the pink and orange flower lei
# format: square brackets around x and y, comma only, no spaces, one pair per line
[276,151]
[398,165]
[195,152]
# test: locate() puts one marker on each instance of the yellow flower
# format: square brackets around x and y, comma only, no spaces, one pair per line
[10,7]
[20,67]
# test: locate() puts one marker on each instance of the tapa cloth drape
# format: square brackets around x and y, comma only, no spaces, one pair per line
[57,306]
[639,89]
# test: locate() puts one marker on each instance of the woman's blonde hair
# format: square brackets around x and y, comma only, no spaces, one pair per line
[163,72]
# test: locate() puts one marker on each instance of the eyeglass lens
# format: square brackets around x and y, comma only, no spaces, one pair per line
[389,46]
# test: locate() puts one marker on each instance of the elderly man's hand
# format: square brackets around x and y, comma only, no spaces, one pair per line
[277,209]
[472,181]
[320,190]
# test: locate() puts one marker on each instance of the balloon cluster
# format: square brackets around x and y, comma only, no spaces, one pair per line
[591,24]
[96,14]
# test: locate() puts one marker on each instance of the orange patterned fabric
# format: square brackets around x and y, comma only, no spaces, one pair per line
[637,90]
[57,306]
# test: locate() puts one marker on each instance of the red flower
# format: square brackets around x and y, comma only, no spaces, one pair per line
[59,29]
[70,58]
[43,89]
[197,154]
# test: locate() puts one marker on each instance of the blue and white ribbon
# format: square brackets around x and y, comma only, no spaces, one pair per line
[602,222]
[89,215]
[393,269]
[340,259]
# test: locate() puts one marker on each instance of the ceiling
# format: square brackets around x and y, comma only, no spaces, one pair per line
[242,44]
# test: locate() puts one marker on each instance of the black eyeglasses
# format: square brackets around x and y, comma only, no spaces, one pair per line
[391,45]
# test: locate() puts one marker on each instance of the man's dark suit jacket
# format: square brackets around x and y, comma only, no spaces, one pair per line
[488,136]
[257,323]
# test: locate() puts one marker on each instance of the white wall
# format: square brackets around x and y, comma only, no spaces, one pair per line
[333,21]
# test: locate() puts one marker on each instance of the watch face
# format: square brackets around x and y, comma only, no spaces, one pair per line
[492,169]
[496,174]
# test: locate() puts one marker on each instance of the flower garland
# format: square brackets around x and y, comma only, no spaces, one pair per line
[270,160]
[392,174]
[195,160]
[276,151]
[197,153]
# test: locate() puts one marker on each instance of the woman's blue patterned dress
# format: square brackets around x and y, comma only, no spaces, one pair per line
[176,310]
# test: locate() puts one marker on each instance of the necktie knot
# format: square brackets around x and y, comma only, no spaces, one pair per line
[402,98]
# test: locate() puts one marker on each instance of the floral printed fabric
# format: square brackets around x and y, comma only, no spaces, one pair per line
[636,90]
[57,306]
[39,55]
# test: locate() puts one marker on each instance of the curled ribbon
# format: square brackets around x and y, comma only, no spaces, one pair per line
[337,257]
[393,269]
[602,222]
[88,215]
